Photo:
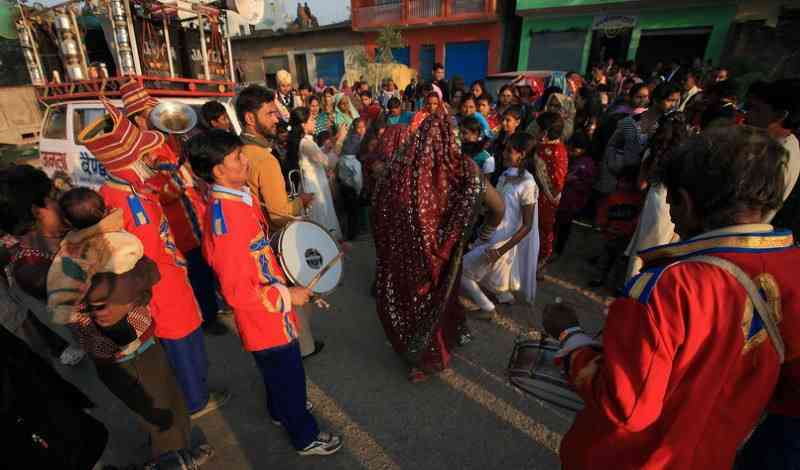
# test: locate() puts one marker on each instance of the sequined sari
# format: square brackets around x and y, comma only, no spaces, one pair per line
[424,208]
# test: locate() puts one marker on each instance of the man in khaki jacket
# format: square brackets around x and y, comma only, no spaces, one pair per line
[259,115]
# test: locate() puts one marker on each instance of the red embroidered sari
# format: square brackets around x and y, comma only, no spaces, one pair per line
[551,174]
[424,207]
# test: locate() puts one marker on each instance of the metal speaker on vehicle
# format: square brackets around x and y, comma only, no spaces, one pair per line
[173,117]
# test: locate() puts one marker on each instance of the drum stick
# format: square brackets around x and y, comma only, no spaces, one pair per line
[325,269]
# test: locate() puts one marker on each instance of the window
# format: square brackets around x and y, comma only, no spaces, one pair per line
[56,123]
[556,50]
[330,67]
[83,117]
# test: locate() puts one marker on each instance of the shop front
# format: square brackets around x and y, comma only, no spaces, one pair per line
[575,37]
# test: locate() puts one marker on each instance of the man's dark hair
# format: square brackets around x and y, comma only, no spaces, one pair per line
[726,89]
[394,102]
[22,187]
[82,207]
[782,96]
[663,91]
[726,171]
[514,110]
[484,97]
[208,150]
[251,99]
[211,111]
[523,143]
[366,93]
[304,86]
[551,123]
[471,124]
[438,66]
[322,137]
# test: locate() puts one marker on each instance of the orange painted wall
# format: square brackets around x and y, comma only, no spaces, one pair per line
[440,35]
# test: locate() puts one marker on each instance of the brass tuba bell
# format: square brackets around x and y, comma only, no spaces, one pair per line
[173,117]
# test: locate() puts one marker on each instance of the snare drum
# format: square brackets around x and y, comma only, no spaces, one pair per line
[303,249]
[532,370]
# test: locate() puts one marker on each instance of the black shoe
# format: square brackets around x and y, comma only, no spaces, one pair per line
[215,328]
[318,346]
[595,283]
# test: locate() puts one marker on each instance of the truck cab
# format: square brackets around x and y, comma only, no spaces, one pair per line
[61,155]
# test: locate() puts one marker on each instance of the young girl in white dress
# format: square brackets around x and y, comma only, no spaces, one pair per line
[312,162]
[505,261]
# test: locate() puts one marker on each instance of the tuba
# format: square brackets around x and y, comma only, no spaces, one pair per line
[173,117]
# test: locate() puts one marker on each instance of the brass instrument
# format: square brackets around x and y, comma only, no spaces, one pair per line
[173,117]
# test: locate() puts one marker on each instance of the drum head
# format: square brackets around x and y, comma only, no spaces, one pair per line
[304,249]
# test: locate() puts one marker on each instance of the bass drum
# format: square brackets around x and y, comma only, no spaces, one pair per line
[304,248]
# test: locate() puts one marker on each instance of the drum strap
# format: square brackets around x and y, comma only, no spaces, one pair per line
[762,308]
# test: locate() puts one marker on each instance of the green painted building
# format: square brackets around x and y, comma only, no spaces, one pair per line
[573,34]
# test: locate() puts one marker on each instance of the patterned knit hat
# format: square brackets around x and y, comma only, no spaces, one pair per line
[123,145]
[135,98]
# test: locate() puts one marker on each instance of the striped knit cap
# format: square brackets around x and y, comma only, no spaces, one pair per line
[135,98]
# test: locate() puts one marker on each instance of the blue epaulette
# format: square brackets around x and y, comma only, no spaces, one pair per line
[641,286]
[137,209]
[218,219]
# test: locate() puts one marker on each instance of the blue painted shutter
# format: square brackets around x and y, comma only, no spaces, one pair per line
[427,56]
[330,67]
[470,60]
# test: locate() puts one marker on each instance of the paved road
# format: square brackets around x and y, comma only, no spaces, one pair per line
[467,418]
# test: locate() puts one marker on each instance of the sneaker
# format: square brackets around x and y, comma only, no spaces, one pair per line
[309,407]
[72,356]
[215,328]
[325,444]
[216,398]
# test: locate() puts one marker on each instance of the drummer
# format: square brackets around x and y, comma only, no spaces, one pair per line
[237,247]
[257,110]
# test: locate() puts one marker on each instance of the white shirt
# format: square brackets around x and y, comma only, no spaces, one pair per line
[350,172]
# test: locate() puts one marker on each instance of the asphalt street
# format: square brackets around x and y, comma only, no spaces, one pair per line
[466,418]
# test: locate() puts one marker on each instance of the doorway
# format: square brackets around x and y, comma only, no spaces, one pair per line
[610,44]
[664,45]
[301,68]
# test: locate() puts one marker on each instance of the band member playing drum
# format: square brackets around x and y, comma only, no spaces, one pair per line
[237,247]
[706,337]
[258,112]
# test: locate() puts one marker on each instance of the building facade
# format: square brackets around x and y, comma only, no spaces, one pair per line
[464,35]
[559,35]
[326,52]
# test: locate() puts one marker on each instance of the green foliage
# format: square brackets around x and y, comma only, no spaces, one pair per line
[389,38]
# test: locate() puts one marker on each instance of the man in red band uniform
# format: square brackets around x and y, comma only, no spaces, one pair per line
[237,246]
[687,366]
[183,201]
[132,188]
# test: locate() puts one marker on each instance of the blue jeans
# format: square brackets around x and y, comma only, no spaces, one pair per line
[189,361]
[285,383]
[204,284]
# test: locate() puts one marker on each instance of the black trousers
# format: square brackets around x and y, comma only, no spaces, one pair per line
[147,386]
[352,207]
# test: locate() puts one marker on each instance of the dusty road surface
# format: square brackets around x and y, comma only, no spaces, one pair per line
[467,418]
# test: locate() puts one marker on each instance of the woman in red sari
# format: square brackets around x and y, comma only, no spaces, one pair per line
[424,208]
[551,166]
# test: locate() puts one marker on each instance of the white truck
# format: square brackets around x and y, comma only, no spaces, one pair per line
[81,50]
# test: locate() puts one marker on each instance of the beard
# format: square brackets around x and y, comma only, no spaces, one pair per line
[264,131]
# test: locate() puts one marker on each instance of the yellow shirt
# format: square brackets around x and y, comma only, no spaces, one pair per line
[268,186]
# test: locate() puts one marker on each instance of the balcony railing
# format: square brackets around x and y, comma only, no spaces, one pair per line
[390,13]
[424,8]
[468,6]
[419,12]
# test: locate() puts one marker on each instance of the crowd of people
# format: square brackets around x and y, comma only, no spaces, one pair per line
[468,198]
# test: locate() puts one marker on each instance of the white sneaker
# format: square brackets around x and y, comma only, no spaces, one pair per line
[325,444]
[72,356]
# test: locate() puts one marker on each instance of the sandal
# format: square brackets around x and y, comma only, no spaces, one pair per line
[417,375]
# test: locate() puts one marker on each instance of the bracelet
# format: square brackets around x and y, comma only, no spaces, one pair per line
[486,232]
[564,335]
